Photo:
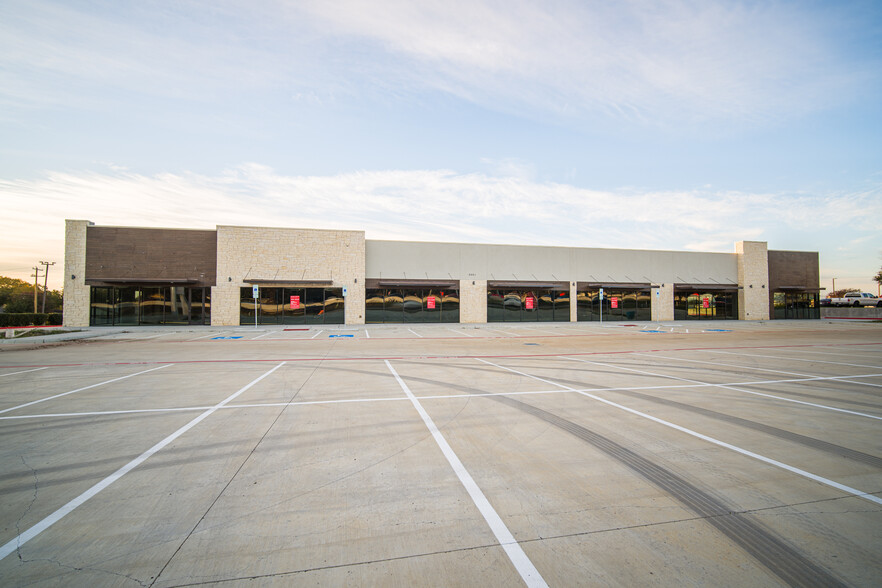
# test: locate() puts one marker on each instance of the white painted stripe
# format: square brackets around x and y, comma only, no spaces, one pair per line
[320,331]
[81,389]
[758,369]
[793,359]
[415,333]
[366,334]
[742,390]
[521,562]
[716,363]
[151,337]
[498,332]
[23,372]
[860,351]
[460,332]
[102,413]
[264,335]
[59,514]
[218,334]
[398,398]
[762,458]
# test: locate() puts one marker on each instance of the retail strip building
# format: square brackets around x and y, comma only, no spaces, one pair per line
[146,276]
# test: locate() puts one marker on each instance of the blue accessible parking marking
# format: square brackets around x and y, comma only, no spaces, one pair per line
[332,336]
[236,337]
[646,331]
[718,330]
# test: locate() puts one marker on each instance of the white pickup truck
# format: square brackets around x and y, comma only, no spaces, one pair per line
[856,299]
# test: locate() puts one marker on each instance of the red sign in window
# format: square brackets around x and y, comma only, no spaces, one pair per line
[705,302]
[529,302]
[430,302]
[295,302]
[614,302]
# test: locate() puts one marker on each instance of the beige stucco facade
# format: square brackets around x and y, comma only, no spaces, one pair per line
[470,261]
[267,256]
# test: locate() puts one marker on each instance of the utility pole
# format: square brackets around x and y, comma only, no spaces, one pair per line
[36,276]
[45,281]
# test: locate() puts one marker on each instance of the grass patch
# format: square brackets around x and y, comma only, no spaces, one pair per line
[41,333]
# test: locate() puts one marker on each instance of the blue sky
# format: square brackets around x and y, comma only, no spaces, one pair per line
[684,125]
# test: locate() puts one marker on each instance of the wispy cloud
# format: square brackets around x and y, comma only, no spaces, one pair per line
[425,205]
[669,63]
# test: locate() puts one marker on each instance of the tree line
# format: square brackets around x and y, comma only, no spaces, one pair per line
[17,296]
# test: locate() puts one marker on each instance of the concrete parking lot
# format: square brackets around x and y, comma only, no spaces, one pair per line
[692,453]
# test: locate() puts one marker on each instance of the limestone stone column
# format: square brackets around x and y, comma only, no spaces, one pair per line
[473,301]
[753,280]
[76,292]
[663,302]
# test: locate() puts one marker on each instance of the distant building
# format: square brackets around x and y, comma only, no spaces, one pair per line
[146,276]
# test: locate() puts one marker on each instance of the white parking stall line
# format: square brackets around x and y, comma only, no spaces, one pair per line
[800,472]
[759,369]
[150,337]
[462,332]
[398,399]
[859,351]
[207,336]
[366,334]
[84,388]
[415,333]
[23,372]
[742,390]
[317,333]
[776,357]
[264,335]
[529,574]
[14,544]
[498,332]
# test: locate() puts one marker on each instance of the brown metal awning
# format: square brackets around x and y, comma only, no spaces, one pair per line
[132,281]
[708,287]
[611,285]
[562,285]
[391,283]
[289,283]
[797,288]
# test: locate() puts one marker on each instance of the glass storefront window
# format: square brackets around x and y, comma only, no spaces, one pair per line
[137,305]
[796,305]
[292,306]
[721,304]
[101,311]
[619,304]
[411,305]
[527,305]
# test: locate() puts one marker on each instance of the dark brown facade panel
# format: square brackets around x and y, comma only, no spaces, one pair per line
[117,254]
[794,269]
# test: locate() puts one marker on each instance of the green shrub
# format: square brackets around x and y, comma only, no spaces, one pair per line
[54,318]
[25,319]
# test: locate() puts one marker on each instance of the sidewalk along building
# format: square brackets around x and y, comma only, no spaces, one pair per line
[236,275]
